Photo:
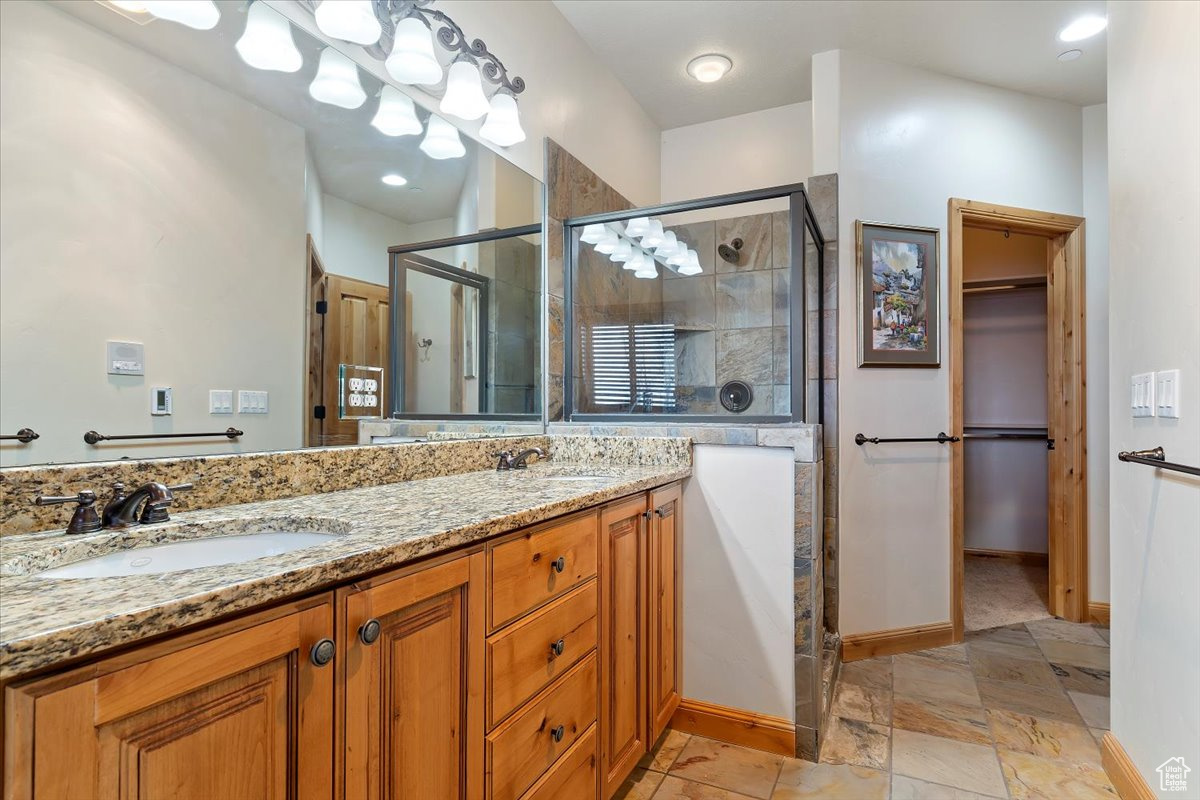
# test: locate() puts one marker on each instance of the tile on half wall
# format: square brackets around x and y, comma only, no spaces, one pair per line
[959,764]
[803,780]
[729,766]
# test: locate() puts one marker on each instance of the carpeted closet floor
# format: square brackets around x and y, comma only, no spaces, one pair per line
[998,591]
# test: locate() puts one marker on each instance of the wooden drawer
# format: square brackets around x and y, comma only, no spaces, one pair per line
[523,748]
[521,661]
[521,570]
[573,777]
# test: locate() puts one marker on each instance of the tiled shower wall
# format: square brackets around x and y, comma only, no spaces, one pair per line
[514,319]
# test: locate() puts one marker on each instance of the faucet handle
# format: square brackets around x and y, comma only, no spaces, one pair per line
[182,487]
[156,510]
[85,519]
[506,460]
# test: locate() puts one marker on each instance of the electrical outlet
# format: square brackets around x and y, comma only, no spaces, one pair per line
[1141,401]
[220,401]
[1166,393]
[252,402]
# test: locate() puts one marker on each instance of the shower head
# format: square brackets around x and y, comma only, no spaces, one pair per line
[730,251]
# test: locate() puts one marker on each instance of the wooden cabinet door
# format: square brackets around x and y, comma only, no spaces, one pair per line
[355,332]
[240,711]
[664,605]
[413,706]
[623,726]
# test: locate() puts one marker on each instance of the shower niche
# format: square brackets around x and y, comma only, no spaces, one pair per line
[707,309]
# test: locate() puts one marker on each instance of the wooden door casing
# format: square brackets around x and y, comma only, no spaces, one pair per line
[356,332]
[412,710]
[156,722]
[623,615]
[664,674]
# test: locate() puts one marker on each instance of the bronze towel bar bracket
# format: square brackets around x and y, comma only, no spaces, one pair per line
[24,436]
[1156,457]
[91,437]
[941,438]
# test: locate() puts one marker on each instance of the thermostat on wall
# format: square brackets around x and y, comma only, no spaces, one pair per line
[160,401]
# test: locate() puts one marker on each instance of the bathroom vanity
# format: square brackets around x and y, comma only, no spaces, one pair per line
[434,649]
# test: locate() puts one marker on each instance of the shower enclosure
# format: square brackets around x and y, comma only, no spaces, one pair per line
[705,310]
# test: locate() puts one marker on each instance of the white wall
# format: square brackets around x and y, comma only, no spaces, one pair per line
[1154,187]
[908,140]
[356,240]
[738,627]
[141,204]
[1099,454]
[314,202]
[749,151]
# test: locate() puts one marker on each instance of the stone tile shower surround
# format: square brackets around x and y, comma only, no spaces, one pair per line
[243,478]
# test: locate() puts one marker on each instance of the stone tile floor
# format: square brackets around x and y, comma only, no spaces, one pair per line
[1012,713]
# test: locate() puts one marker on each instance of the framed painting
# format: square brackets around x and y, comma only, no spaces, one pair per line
[898,281]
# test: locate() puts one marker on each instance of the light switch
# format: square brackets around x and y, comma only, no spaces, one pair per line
[1166,393]
[1141,389]
[220,401]
[252,402]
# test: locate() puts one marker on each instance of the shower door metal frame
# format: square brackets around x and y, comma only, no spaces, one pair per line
[800,218]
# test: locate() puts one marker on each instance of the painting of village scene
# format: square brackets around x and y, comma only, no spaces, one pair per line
[899,286]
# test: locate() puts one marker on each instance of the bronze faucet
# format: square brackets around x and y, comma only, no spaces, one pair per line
[509,461]
[121,510]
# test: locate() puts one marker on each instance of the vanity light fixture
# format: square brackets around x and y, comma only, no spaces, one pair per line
[637,227]
[464,96]
[203,15]
[609,243]
[654,235]
[692,266]
[396,116]
[349,20]
[503,124]
[622,252]
[620,244]
[412,59]
[680,257]
[441,140]
[593,234]
[394,179]
[640,262]
[267,41]
[337,82]
[1083,28]
[667,247]
[648,270]
[709,68]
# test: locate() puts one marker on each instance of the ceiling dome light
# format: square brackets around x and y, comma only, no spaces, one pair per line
[349,20]
[202,15]
[709,68]
[396,115]
[654,234]
[267,42]
[393,179]
[337,81]
[503,124]
[1083,28]
[464,96]
[1069,55]
[593,234]
[609,243]
[637,227]
[441,140]
[412,59]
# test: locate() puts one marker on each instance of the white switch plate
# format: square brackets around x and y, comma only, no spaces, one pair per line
[252,402]
[220,401]
[1166,393]
[1141,388]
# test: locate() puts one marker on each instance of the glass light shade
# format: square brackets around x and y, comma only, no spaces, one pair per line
[637,227]
[267,41]
[650,270]
[622,252]
[396,115]
[592,234]
[337,81]
[609,243]
[464,96]
[349,20]
[441,140]
[503,124]
[202,15]
[679,257]
[654,234]
[412,59]
[667,246]
[639,263]
[692,265]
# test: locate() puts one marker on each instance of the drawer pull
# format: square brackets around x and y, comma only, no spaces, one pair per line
[558,564]
[558,733]
[558,647]
[368,632]
[322,652]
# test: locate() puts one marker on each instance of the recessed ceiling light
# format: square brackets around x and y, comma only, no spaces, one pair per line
[1083,28]
[392,179]
[1070,55]
[709,68]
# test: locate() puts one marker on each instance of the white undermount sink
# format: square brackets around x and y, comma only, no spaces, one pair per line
[189,554]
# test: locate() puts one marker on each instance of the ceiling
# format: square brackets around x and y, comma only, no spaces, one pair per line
[350,155]
[1012,44]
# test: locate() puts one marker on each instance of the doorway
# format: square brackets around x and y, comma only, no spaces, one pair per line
[1025,408]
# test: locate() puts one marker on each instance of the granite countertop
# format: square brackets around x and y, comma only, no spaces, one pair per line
[47,621]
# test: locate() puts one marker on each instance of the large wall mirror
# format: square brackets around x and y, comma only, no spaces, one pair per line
[190,244]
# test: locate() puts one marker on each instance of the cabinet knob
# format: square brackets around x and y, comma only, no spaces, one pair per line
[558,647]
[322,652]
[645,515]
[558,733]
[660,513]
[368,632]
[558,564]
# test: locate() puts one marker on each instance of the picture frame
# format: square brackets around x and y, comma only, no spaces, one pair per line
[898,288]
